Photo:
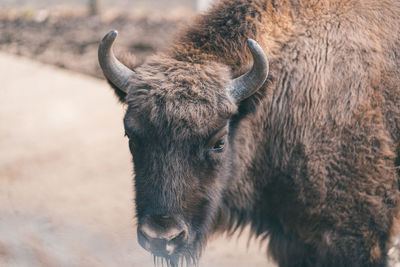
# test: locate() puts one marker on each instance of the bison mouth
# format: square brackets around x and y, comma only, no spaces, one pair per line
[169,240]
[186,256]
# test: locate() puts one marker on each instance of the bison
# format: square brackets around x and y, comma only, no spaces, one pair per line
[296,134]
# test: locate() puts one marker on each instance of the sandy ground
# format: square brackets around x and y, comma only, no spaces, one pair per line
[66,195]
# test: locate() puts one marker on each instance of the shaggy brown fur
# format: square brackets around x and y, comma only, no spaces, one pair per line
[310,159]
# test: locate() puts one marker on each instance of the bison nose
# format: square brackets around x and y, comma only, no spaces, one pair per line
[161,235]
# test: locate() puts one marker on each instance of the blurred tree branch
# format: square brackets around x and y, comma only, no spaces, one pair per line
[94,7]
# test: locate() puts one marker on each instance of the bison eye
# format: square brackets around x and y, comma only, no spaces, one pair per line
[219,146]
[216,142]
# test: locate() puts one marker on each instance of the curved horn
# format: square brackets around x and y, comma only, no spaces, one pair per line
[114,70]
[247,84]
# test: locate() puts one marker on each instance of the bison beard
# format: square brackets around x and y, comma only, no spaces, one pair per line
[305,155]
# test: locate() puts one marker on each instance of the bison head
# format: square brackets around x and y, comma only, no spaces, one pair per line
[177,122]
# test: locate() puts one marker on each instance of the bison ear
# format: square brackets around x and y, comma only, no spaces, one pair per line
[121,95]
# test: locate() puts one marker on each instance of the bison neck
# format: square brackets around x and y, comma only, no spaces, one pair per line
[288,153]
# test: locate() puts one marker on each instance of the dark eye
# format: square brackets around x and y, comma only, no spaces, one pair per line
[219,146]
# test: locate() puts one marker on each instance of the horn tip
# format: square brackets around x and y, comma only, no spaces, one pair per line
[252,43]
[114,32]
[110,36]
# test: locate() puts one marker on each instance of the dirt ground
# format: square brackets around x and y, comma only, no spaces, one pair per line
[69,38]
[66,196]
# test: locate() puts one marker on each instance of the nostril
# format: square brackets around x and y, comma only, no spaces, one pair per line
[148,232]
[175,235]
[179,238]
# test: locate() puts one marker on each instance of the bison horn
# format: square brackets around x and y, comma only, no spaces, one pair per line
[247,84]
[113,70]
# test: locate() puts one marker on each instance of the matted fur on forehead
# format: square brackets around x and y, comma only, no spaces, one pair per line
[181,98]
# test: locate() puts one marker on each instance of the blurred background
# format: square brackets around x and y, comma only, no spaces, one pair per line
[66,190]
